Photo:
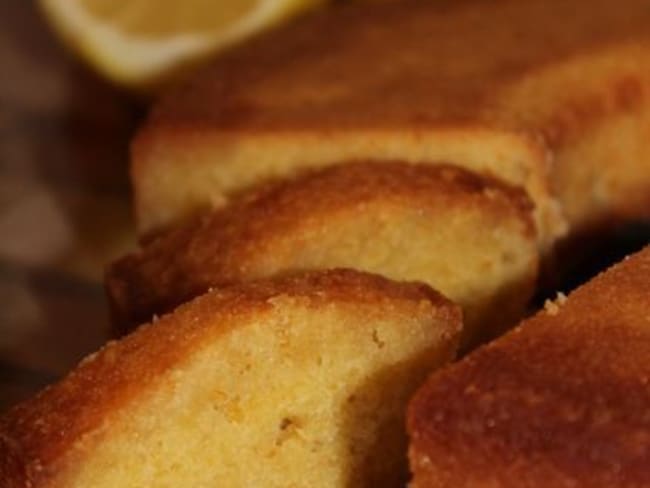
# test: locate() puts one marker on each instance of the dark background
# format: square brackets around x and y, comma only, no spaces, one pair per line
[64,201]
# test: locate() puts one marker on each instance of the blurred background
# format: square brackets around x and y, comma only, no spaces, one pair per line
[64,206]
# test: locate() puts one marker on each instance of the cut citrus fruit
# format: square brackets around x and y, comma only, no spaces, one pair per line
[143,42]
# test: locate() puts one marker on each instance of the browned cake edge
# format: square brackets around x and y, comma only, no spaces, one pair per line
[562,400]
[36,437]
[243,105]
[160,150]
[208,251]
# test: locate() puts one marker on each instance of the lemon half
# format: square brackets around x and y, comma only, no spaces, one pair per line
[140,43]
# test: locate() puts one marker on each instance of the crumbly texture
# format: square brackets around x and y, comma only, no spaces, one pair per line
[551,95]
[468,236]
[561,401]
[300,381]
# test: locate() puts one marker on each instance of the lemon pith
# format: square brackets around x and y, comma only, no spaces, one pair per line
[140,42]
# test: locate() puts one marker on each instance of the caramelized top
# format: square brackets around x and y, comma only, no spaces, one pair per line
[218,248]
[36,436]
[563,400]
[409,63]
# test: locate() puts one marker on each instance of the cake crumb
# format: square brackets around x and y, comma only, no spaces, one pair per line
[552,307]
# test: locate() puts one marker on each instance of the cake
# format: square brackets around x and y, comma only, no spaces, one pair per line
[561,401]
[296,381]
[551,95]
[470,237]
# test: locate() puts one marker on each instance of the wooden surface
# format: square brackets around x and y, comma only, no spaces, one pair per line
[64,202]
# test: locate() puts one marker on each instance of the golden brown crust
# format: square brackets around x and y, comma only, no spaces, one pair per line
[412,63]
[35,436]
[561,401]
[216,249]
[551,72]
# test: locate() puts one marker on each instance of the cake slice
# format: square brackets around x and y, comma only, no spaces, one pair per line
[561,401]
[468,236]
[551,95]
[300,381]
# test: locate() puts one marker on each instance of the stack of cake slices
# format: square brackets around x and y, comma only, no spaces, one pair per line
[298,203]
